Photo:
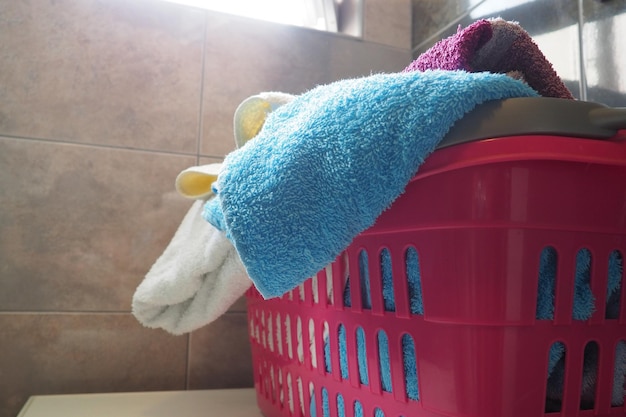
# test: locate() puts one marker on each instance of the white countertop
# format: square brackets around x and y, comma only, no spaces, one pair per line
[205,403]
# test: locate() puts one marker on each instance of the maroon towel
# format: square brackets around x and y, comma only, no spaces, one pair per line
[498,46]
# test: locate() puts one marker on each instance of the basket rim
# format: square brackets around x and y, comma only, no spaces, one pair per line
[526,148]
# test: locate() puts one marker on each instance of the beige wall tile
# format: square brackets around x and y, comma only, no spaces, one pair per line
[245,57]
[110,72]
[79,225]
[431,16]
[206,160]
[350,58]
[219,354]
[239,305]
[388,22]
[80,353]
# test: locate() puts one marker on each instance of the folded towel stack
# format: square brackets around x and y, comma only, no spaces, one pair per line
[329,149]
[323,166]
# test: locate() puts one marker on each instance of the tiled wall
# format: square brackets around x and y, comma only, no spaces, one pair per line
[584,40]
[102,103]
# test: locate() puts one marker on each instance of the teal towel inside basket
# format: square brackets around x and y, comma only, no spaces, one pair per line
[583,308]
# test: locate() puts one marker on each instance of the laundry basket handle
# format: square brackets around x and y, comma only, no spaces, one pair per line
[609,118]
[537,116]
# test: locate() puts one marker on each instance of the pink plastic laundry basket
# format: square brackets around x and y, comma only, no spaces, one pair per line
[479,215]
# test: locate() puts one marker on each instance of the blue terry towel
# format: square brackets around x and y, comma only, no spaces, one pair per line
[326,165]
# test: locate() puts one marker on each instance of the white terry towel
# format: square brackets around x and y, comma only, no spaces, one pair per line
[196,279]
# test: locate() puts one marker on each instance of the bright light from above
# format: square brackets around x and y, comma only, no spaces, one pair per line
[493,8]
[313,14]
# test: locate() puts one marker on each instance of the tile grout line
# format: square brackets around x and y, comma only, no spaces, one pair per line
[198,149]
[202,82]
[65,312]
[110,147]
[188,363]
[94,145]
[582,82]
